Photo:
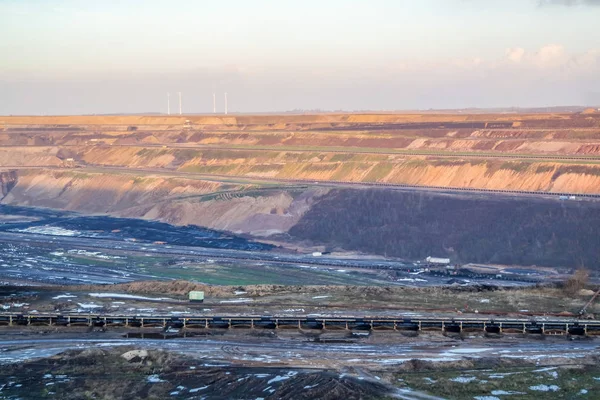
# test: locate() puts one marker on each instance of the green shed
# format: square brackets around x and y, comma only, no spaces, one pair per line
[196,296]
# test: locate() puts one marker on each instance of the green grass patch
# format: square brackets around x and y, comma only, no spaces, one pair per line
[320,167]
[343,171]
[524,383]
[517,166]
[449,163]
[378,172]
[341,157]
[576,169]
[146,152]
[229,155]
[233,274]
[209,169]
[541,169]
[264,168]
[416,163]
[92,261]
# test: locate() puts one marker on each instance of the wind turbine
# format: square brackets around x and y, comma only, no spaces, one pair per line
[168,103]
[179,103]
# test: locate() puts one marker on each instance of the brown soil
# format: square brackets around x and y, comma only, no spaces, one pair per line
[538,301]
[529,175]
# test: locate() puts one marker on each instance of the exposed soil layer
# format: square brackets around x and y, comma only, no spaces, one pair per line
[571,133]
[335,120]
[126,373]
[391,148]
[527,175]
[240,208]
[486,230]
[99,193]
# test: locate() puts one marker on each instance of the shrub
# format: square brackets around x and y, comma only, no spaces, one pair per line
[577,281]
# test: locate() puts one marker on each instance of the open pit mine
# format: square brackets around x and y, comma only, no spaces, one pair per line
[330,255]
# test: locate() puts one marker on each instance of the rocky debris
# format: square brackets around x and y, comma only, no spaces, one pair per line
[135,355]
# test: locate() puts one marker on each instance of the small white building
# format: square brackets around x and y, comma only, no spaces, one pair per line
[438,261]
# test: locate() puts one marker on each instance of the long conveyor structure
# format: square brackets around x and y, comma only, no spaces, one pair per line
[457,325]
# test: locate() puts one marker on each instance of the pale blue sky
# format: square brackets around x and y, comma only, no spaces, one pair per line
[75,56]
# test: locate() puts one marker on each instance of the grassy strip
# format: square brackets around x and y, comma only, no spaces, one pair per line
[521,383]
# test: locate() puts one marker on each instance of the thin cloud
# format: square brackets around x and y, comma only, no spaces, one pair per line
[569,3]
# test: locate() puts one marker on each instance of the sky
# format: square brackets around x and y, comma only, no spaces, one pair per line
[124,56]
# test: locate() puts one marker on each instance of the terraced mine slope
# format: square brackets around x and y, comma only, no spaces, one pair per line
[272,175]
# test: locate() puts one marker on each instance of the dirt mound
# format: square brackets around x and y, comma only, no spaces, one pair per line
[104,373]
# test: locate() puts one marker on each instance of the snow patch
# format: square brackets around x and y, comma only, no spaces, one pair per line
[64,296]
[544,388]
[466,351]
[464,379]
[49,230]
[279,378]
[88,305]
[154,379]
[504,393]
[126,296]
[545,369]
[198,389]
[242,300]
